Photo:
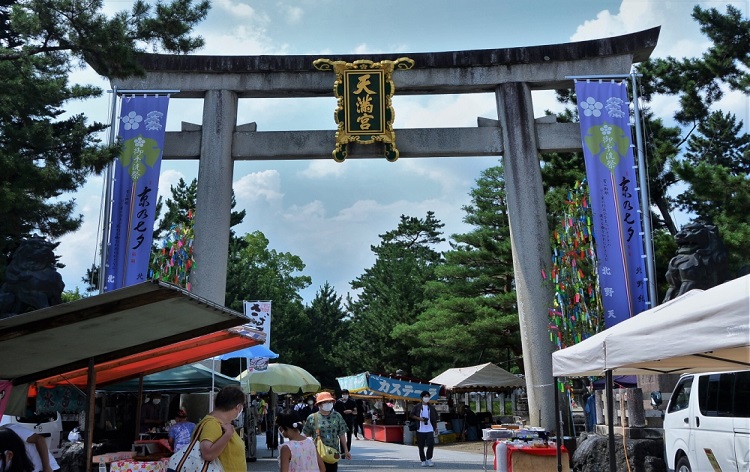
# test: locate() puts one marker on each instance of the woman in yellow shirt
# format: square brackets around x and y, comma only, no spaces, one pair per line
[218,438]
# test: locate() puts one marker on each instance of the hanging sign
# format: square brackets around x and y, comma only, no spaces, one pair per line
[610,168]
[364,113]
[142,128]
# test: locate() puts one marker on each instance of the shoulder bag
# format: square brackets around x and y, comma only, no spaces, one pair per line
[413,424]
[188,459]
[327,453]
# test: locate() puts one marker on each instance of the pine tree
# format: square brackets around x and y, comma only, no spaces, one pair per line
[392,292]
[716,167]
[470,314]
[43,155]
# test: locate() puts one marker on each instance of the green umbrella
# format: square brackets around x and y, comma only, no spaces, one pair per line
[281,378]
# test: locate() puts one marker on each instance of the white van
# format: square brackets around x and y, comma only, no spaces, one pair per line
[707,423]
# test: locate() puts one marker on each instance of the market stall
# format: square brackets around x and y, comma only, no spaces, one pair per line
[119,335]
[479,378]
[700,331]
[366,385]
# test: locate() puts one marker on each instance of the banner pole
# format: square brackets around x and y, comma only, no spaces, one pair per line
[106,214]
[645,196]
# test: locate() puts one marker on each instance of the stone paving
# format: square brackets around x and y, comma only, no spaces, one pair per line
[374,455]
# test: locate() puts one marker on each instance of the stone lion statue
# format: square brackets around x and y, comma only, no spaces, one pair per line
[701,260]
[31,278]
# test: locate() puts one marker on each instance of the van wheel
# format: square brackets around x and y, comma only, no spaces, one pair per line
[683,465]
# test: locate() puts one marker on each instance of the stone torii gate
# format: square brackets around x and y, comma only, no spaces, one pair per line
[511,74]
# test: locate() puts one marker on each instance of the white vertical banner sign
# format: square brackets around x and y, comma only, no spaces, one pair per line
[259,313]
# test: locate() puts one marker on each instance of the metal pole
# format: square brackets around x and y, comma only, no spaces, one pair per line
[558,425]
[107,212]
[645,197]
[610,421]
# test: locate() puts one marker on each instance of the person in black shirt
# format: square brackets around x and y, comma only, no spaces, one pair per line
[348,409]
[359,419]
[308,409]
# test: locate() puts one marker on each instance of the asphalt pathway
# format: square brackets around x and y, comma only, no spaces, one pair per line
[375,455]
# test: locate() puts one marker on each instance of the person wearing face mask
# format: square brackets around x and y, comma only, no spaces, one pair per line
[348,409]
[298,453]
[427,417]
[13,457]
[218,438]
[308,409]
[331,426]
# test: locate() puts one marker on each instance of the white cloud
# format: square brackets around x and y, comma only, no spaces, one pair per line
[319,169]
[293,14]
[442,111]
[311,212]
[259,186]
[237,10]
[679,35]
[167,179]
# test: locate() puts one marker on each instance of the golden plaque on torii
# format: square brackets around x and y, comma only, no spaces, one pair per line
[364,112]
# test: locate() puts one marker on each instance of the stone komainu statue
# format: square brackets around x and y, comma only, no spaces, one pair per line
[31,278]
[701,260]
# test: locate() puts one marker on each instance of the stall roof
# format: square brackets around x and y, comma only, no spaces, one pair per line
[155,360]
[479,378]
[186,378]
[148,327]
[700,331]
[366,384]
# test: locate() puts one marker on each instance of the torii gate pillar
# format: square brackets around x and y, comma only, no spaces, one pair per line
[529,238]
[214,197]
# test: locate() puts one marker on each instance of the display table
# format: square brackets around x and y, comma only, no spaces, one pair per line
[139,466]
[510,458]
[385,433]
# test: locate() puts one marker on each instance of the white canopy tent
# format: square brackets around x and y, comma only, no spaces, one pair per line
[479,378]
[700,331]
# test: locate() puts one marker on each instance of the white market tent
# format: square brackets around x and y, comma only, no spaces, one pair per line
[478,378]
[700,331]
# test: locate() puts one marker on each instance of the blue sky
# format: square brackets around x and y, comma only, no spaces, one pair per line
[330,214]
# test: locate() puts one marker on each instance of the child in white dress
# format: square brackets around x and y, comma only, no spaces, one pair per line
[298,454]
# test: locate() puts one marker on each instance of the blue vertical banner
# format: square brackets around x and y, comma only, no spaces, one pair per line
[142,126]
[610,168]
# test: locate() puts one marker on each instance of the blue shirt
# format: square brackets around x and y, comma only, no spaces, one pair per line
[180,433]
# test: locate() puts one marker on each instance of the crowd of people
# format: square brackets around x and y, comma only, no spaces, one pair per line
[300,422]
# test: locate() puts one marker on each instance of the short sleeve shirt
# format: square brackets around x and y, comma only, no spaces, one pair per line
[180,433]
[25,433]
[331,427]
[233,456]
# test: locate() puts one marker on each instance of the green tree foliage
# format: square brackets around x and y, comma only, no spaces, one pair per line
[322,328]
[78,30]
[698,81]
[43,154]
[182,202]
[72,295]
[392,292]
[256,272]
[716,167]
[470,314]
